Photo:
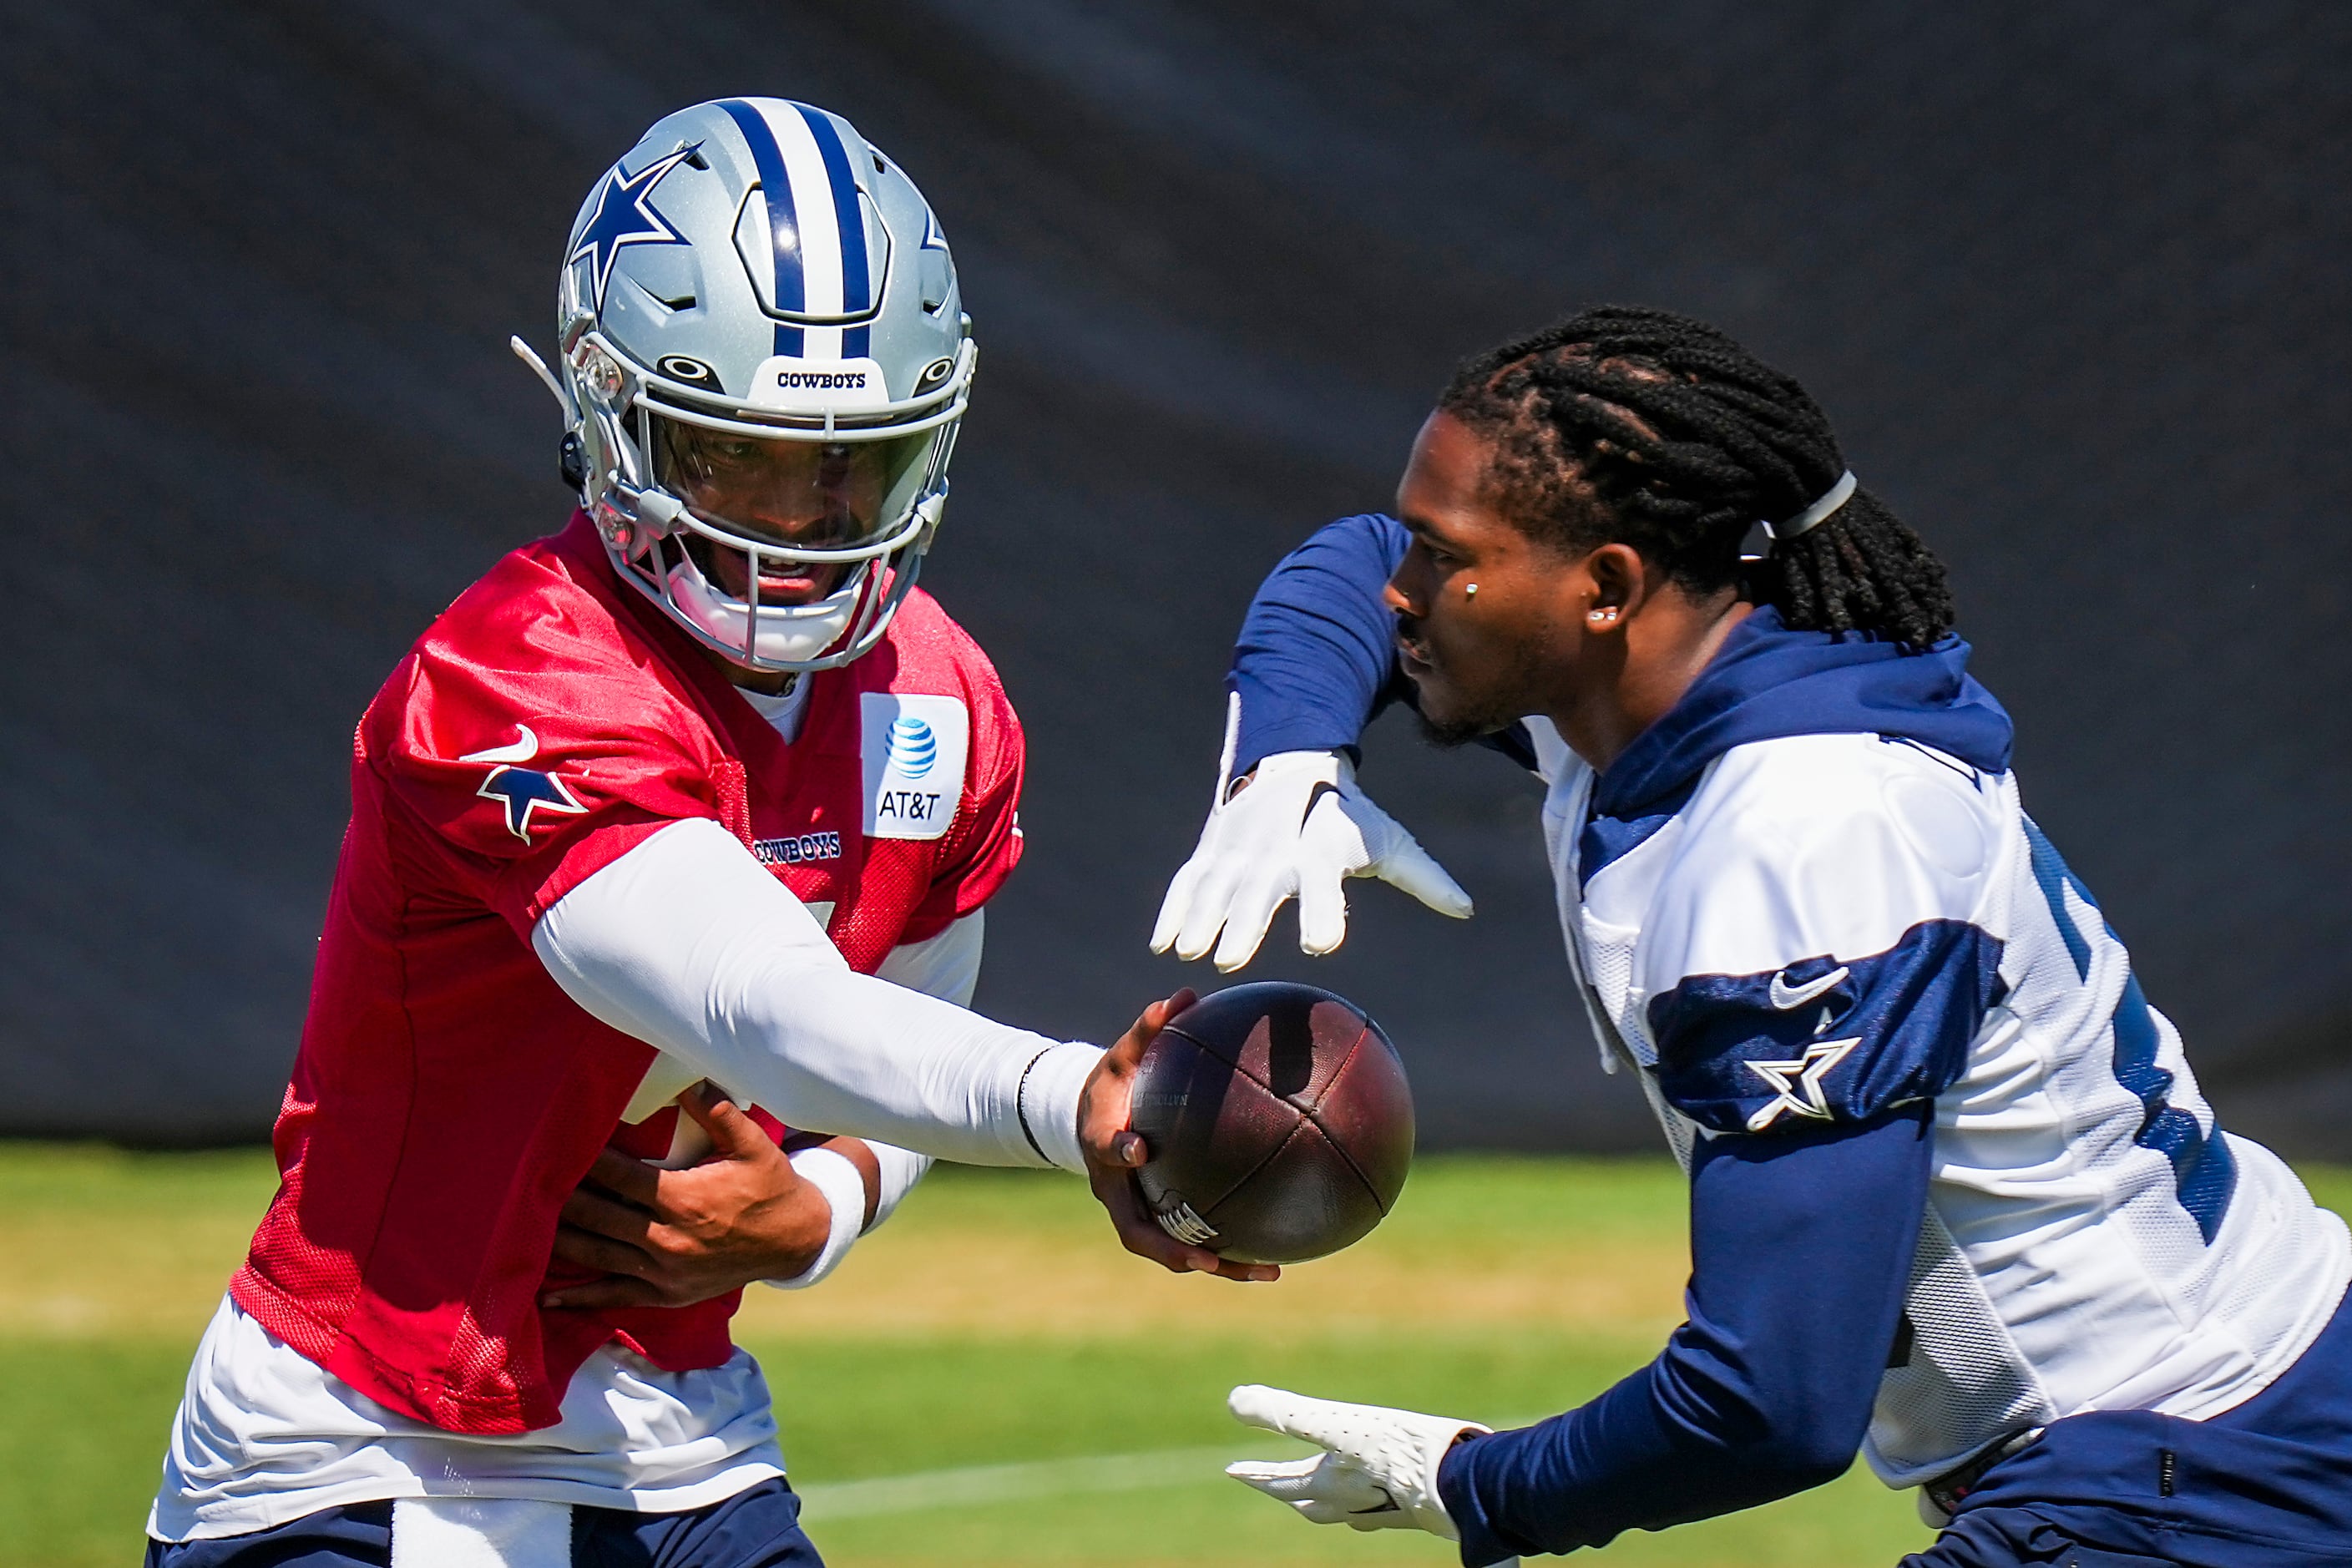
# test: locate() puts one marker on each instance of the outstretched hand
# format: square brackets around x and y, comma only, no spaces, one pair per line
[1115,1152]
[669,1238]
[1297,827]
[1378,1470]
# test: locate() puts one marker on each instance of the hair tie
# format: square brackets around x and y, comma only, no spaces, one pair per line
[1816,514]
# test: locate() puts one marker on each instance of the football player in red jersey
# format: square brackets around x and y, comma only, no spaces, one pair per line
[702,791]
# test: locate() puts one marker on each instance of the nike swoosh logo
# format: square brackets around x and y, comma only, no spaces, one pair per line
[1784,995]
[524,748]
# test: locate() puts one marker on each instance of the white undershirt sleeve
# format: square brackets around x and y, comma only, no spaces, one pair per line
[691,945]
[945,967]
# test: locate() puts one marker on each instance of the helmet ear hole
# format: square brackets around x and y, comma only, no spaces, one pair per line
[571,462]
[938,371]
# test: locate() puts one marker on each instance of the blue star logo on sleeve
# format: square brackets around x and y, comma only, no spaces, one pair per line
[521,790]
[1797,1085]
[625,214]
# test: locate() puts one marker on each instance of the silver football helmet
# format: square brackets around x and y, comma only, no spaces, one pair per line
[765,360]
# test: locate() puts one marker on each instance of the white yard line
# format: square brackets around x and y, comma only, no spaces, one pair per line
[972,1484]
[975,1484]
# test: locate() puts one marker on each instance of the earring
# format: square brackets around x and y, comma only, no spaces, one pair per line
[1470,591]
[1605,615]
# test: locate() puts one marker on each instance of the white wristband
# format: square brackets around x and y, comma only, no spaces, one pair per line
[1048,1103]
[844,1186]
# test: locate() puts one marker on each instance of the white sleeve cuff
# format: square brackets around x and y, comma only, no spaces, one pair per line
[844,1187]
[901,1169]
[1049,1101]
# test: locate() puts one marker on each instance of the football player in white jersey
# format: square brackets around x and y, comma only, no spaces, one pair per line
[1956,1201]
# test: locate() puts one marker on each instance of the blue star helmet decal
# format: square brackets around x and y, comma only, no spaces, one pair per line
[625,214]
[522,790]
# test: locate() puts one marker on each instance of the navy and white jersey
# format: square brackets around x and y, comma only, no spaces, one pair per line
[1834,925]
[1951,1178]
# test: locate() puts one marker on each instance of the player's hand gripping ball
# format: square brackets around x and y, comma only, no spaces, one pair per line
[1278,1123]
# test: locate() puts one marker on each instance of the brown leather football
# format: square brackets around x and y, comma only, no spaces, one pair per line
[1278,1123]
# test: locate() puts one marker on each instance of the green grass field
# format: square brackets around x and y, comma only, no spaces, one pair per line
[986,1382]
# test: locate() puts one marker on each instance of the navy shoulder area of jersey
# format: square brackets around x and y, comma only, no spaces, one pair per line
[1820,934]
[1826,1037]
[1767,682]
[1812,945]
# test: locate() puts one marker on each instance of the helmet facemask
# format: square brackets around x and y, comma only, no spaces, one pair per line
[698,504]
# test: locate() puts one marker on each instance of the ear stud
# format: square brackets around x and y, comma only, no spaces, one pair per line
[1470,591]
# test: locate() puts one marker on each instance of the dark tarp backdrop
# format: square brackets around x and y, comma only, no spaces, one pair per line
[2069,277]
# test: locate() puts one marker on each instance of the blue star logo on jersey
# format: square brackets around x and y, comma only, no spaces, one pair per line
[523,791]
[1797,1085]
[625,214]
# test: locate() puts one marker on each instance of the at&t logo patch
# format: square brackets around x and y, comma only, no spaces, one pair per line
[913,749]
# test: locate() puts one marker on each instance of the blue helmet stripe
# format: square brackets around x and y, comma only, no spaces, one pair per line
[783,221]
[856,288]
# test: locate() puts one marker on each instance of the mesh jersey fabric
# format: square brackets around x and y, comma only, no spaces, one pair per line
[448,1095]
[264,1435]
[2080,1251]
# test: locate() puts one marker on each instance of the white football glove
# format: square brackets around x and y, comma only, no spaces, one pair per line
[1378,1470]
[1300,828]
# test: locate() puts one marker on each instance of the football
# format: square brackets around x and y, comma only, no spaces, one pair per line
[1277,1121]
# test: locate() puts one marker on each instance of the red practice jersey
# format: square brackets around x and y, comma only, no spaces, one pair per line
[449,1096]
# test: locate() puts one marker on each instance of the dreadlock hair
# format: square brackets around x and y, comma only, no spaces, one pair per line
[1628,424]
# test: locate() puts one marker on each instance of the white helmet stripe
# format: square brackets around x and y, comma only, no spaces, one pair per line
[812,205]
[776,197]
[848,212]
